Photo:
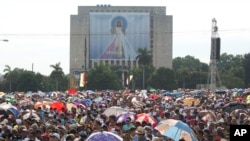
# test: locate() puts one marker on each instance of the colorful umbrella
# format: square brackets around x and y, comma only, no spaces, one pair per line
[146,118]
[167,98]
[176,130]
[42,104]
[88,101]
[191,101]
[123,117]
[69,106]
[59,106]
[104,136]
[114,110]
[25,102]
[72,91]
[207,115]
[8,109]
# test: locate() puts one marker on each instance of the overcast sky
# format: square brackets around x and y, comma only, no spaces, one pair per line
[38,30]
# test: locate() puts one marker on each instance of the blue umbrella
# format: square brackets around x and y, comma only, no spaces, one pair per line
[87,101]
[176,129]
[14,111]
[123,117]
[104,136]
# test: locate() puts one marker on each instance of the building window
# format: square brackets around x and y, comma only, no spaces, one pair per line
[112,62]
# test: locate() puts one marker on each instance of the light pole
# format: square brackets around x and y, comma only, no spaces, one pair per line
[4,40]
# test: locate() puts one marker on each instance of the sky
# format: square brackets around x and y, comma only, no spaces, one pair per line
[39,30]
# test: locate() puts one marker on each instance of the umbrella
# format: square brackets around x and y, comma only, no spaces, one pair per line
[123,117]
[69,106]
[42,104]
[104,136]
[233,106]
[59,106]
[72,91]
[146,118]
[98,99]
[114,110]
[10,111]
[154,96]
[6,105]
[138,104]
[167,98]
[237,112]
[191,101]
[88,101]
[31,115]
[176,130]
[25,102]
[7,109]
[207,115]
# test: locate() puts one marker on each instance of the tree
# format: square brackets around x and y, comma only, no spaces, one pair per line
[57,75]
[246,66]
[189,71]
[144,58]
[163,78]
[231,70]
[7,75]
[102,77]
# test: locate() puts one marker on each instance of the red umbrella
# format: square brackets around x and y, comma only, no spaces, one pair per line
[147,118]
[154,96]
[59,106]
[72,91]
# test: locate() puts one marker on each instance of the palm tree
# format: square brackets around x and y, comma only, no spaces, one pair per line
[144,58]
[56,73]
[8,75]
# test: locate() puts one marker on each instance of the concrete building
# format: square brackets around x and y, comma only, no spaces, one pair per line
[113,34]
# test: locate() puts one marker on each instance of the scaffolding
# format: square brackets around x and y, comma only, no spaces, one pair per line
[213,74]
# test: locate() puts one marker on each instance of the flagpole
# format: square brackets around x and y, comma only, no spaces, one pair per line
[85,63]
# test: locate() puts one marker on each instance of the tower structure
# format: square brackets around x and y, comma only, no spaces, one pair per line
[213,74]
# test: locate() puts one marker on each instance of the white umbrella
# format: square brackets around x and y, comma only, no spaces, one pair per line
[114,110]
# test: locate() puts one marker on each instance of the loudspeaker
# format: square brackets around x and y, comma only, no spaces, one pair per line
[215,48]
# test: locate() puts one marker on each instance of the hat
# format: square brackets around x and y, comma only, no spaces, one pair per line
[140,130]
[55,135]
[23,128]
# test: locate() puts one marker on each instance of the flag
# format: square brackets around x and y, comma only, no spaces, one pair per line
[83,79]
[130,77]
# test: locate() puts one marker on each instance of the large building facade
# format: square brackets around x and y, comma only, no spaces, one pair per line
[113,34]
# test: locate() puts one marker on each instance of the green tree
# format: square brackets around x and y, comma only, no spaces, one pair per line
[7,75]
[189,71]
[57,75]
[163,78]
[144,59]
[102,77]
[246,66]
[231,70]
[27,81]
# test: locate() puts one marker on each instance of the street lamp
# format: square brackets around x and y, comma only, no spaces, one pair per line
[4,40]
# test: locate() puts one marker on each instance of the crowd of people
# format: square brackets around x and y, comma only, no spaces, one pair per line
[32,117]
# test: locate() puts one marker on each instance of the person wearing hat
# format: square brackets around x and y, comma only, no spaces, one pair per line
[54,137]
[140,134]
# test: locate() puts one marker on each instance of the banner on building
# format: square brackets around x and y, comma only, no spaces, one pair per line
[83,79]
[130,77]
